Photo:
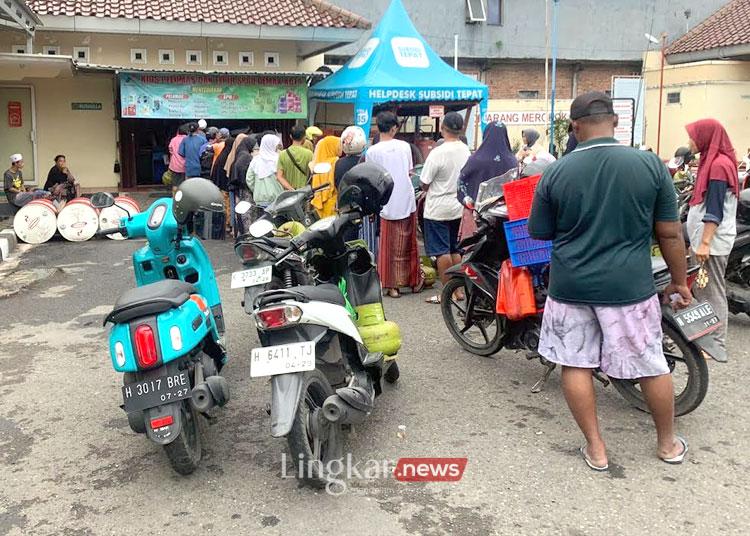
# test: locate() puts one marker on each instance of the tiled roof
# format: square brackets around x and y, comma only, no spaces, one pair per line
[304,13]
[727,27]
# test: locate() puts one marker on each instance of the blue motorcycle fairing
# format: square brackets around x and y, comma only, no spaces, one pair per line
[194,326]
[163,259]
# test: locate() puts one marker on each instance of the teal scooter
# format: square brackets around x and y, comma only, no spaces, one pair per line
[165,334]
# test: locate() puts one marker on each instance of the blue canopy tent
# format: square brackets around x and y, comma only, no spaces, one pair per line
[396,66]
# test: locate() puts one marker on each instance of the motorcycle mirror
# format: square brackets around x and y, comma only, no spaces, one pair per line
[102,200]
[321,168]
[469,202]
[243,207]
[261,228]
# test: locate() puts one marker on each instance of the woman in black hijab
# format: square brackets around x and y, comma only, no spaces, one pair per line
[493,158]
[238,182]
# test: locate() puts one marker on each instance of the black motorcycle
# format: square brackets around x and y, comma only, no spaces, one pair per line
[476,326]
[260,248]
[738,265]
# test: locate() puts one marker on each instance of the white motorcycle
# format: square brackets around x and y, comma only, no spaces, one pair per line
[328,347]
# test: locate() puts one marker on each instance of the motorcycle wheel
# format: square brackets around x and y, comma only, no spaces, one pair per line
[483,317]
[314,442]
[677,350]
[184,452]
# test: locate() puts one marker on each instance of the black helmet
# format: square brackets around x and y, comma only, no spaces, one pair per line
[366,187]
[194,195]
[682,156]
[743,207]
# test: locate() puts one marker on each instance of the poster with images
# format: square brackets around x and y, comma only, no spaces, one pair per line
[179,96]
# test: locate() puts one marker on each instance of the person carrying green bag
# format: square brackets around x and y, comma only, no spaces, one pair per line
[261,175]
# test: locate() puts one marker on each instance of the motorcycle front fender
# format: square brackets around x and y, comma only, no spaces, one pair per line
[286,390]
[166,434]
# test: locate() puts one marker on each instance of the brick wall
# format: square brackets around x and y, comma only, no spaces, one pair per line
[506,80]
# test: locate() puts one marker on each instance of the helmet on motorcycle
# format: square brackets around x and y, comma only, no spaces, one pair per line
[353,140]
[682,156]
[366,187]
[743,207]
[194,195]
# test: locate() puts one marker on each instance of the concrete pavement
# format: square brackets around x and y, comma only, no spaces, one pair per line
[70,465]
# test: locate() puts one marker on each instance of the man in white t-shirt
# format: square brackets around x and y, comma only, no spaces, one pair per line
[442,212]
[398,256]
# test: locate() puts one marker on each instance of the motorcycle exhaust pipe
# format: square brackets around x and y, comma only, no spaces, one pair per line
[336,410]
[201,398]
[212,392]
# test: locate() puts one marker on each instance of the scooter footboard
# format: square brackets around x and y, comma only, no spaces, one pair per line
[286,390]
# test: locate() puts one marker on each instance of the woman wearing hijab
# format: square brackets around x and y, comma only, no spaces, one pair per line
[529,137]
[493,158]
[228,170]
[328,150]
[221,179]
[711,221]
[237,185]
[261,173]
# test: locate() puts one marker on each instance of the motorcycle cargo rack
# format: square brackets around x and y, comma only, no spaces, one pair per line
[524,250]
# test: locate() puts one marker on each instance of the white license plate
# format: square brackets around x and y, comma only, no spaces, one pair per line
[284,359]
[252,277]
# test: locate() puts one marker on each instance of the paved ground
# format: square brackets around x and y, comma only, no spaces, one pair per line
[69,464]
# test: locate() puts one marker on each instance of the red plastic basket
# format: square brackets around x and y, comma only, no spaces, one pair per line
[519,195]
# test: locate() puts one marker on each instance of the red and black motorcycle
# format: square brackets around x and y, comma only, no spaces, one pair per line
[475,325]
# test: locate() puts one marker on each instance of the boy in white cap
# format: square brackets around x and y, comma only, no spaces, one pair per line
[18,194]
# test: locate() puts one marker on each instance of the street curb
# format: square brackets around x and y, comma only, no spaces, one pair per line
[8,243]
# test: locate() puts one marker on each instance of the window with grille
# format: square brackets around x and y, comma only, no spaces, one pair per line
[221,57]
[81,54]
[138,55]
[193,57]
[166,57]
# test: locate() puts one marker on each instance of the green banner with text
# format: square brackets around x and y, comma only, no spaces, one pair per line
[193,96]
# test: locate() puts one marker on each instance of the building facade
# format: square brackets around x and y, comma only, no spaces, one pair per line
[107,84]
[598,40]
[706,74]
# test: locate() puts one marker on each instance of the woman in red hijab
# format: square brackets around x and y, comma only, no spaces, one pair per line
[711,219]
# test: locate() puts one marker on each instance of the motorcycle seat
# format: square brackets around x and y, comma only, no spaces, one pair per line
[323,293]
[742,228]
[151,299]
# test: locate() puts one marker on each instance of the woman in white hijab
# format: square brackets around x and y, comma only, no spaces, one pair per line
[261,175]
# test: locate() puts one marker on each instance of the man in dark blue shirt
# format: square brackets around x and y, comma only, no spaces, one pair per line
[190,149]
[599,205]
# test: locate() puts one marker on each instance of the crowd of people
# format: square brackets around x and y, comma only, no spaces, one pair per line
[601,204]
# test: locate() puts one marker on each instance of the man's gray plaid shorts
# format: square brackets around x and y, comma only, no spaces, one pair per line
[623,341]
